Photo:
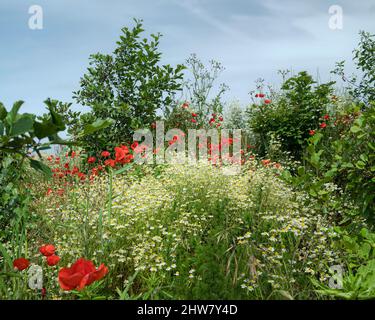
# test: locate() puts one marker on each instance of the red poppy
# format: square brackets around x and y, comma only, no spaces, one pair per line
[193,121]
[75,170]
[53,260]
[105,154]
[326,117]
[49,191]
[110,162]
[81,274]
[119,154]
[21,264]
[47,250]
[185,105]
[311,132]
[257,95]
[128,158]
[194,115]
[134,145]
[323,125]
[266,162]
[267,101]
[221,118]
[261,95]
[91,160]
[277,166]
[73,154]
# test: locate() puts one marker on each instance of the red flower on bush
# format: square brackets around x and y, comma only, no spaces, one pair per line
[193,121]
[53,260]
[326,117]
[221,118]
[91,160]
[311,132]
[21,264]
[47,250]
[105,154]
[81,274]
[194,115]
[323,125]
[267,101]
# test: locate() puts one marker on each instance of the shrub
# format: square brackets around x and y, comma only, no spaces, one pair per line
[296,110]
[129,86]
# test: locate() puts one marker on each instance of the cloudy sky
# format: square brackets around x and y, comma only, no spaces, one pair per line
[252,39]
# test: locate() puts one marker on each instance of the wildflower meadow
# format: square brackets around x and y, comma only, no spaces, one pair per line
[161,190]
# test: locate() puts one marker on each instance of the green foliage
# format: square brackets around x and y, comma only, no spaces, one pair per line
[344,154]
[359,285]
[359,281]
[298,108]
[129,86]
[21,134]
[361,87]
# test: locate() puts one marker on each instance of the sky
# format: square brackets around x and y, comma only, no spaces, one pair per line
[251,38]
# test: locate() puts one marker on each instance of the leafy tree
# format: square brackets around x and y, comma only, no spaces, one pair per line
[361,87]
[128,86]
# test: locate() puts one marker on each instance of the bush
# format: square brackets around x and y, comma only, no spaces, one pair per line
[296,110]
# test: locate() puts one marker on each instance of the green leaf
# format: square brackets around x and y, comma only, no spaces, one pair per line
[56,118]
[355,129]
[38,165]
[44,129]
[360,165]
[316,138]
[97,125]
[11,116]
[3,112]
[22,124]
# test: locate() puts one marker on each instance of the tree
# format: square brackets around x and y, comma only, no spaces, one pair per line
[128,86]
[362,87]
